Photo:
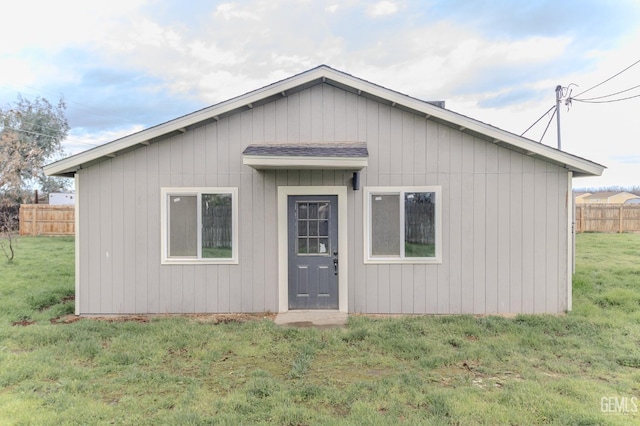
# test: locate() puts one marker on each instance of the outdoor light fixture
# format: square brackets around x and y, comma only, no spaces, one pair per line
[355,181]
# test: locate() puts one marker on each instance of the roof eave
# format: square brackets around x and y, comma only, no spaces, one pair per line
[579,166]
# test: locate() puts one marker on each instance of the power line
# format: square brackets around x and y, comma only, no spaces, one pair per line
[607,96]
[586,101]
[50,136]
[548,124]
[536,122]
[30,132]
[66,140]
[610,78]
[32,123]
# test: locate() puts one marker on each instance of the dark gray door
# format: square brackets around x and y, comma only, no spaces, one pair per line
[313,251]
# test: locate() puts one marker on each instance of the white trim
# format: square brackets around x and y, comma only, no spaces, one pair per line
[283,241]
[260,162]
[570,241]
[367,192]
[197,191]
[72,164]
[76,212]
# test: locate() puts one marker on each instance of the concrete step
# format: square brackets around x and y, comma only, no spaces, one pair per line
[312,318]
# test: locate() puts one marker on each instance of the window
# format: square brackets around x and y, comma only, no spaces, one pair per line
[313,228]
[402,224]
[199,225]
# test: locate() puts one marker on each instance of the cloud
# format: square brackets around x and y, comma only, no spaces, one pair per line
[128,63]
[332,8]
[629,158]
[229,11]
[53,25]
[80,140]
[382,8]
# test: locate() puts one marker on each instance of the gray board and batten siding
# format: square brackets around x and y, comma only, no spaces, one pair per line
[504,214]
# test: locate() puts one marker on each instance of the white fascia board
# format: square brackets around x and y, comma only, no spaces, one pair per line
[71,164]
[259,162]
[495,133]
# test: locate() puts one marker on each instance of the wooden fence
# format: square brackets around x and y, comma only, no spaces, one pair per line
[43,219]
[609,218]
[216,226]
[419,224]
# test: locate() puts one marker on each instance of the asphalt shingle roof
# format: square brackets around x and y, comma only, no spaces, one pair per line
[345,149]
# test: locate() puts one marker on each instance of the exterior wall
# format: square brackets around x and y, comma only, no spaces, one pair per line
[502,252]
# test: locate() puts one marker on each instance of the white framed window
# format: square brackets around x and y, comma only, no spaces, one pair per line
[403,224]
[199,225]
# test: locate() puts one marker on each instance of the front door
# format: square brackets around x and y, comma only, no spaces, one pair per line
[313,251]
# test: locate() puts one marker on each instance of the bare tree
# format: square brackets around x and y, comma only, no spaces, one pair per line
[8,225]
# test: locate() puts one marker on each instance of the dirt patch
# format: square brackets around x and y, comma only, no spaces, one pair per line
[67,319]
[229,318]
[200,318]
[68,299]
[122,318]
[23,323]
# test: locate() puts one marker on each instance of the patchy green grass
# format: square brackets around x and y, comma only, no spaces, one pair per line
[220,253]
[410,370]
[419,250]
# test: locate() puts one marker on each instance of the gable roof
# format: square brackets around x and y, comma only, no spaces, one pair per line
[604,195]
[324,74]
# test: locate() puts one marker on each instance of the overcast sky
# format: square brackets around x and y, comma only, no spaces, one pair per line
[124,65]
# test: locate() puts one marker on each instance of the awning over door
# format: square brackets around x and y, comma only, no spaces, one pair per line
[338,155]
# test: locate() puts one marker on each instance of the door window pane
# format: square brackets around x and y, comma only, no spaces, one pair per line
[323,211]
[385,224]
[313,210]
[323,230]
[303,211]
[302,246]
[323,245]
[302,228]
[183,240]
[216,226]
[313,228]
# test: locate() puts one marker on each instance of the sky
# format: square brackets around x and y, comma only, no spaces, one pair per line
[125,65]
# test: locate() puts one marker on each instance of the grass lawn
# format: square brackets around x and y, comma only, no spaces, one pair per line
[411,370]
[220,253]
[419,250]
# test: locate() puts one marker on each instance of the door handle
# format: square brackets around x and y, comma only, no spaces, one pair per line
[335,263]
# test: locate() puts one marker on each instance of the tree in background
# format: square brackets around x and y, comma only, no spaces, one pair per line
[31,134]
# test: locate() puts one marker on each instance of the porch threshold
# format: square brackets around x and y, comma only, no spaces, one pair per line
[321,318]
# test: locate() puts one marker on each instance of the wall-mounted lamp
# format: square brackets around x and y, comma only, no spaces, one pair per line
[355,181]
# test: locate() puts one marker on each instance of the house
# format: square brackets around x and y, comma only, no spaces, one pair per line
[578,196]
[323,191]
[607,197]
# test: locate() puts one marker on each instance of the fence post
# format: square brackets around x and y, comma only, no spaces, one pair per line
[581,219]
[34,213]
[620,227]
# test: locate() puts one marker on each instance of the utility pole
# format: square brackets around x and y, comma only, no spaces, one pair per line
[558,96]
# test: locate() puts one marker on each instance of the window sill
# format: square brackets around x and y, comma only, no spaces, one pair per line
[199,262]
[394,261]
